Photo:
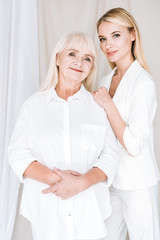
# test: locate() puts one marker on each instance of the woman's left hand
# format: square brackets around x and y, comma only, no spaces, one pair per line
[68,186]
[102,97]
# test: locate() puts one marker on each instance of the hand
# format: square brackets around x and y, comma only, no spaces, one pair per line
[71,172]
[71,183]
[102,97]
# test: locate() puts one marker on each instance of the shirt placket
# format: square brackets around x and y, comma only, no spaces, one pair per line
[68,163]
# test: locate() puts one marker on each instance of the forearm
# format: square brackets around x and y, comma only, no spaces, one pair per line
[93,176]
[41,173]
[117,123]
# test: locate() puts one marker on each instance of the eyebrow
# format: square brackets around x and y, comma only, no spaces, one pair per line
[115,32]
[111,34]
[74,50]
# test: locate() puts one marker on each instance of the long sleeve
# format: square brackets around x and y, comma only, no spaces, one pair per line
[142,111]
[109,159]
[19,154]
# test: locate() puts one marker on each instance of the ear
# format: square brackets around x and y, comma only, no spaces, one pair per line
[133,35]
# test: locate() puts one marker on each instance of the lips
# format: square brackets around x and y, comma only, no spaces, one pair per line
[111,53]
[76,70]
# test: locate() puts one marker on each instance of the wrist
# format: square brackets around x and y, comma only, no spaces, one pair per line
[108,106]
[53,178]
[84,182]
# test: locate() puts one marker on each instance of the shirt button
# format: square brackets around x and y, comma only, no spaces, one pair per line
[69,214]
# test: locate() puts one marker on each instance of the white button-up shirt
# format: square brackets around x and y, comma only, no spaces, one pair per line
[135,99]
[73,134]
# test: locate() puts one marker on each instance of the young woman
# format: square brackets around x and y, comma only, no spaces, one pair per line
[129,98]
[62,126]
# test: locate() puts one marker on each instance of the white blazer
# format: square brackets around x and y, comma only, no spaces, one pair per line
[135,99]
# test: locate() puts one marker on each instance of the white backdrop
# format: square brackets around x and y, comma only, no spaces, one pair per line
[19,78]
[55,18]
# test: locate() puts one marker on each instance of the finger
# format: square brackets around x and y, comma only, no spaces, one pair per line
[51,189]
[104,89]
[59,172]
[75,173]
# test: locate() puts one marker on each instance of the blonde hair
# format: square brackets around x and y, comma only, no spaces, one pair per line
[122,17]
[68,41]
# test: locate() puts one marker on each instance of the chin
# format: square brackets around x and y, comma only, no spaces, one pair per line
[113,59]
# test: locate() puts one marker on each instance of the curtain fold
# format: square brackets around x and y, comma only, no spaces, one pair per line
[19,78]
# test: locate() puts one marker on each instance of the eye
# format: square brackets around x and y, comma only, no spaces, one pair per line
[116,35]
[102,39]
[72,54]
[87,59]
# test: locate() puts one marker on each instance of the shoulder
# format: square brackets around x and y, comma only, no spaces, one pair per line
[106,79]
[142,86]
[143,80]
[35,100]
[90,101]
[141,75]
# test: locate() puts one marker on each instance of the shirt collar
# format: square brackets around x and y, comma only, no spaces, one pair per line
[81,94]
[131,70]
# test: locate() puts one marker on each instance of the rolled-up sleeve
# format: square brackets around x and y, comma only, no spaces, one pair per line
[19,154]
[142,111]
[109,159]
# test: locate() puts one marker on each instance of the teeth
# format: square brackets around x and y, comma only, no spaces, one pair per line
[111,52]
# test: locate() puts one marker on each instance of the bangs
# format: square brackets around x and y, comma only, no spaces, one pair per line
[81,41]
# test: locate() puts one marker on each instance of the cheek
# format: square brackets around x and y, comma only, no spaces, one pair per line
[102,46]
[126,44]
[88,70]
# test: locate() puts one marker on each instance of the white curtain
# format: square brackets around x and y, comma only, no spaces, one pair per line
[19,78]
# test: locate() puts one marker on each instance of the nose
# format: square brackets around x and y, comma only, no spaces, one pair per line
[79,62]
[108,45]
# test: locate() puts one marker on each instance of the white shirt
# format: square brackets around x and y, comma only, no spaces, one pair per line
[135,99]
[73,134]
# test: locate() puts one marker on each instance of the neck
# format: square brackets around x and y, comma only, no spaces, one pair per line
[66,90]
[123,66]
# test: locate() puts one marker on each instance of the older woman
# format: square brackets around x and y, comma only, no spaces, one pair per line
[62,127]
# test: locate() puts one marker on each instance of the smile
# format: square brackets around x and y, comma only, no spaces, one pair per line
[111,53]
[76,70]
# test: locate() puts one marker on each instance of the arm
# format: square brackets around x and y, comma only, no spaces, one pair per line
[70,185]
[22,161]
[103,98]
[142,110]
[41,173]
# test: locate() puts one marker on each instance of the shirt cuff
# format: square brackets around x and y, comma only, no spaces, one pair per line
[133,144]
[21,167]
[107,172]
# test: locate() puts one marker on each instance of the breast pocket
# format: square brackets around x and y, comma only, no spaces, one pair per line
[92,137]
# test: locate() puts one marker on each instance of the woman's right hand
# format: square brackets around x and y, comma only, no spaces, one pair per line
[102,97]
[71,183]
[71,172]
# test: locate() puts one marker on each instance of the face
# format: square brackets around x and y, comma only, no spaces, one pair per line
[75,64]
[115,41]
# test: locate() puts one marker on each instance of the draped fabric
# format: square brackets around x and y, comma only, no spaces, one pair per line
[29,31]
[19,78]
